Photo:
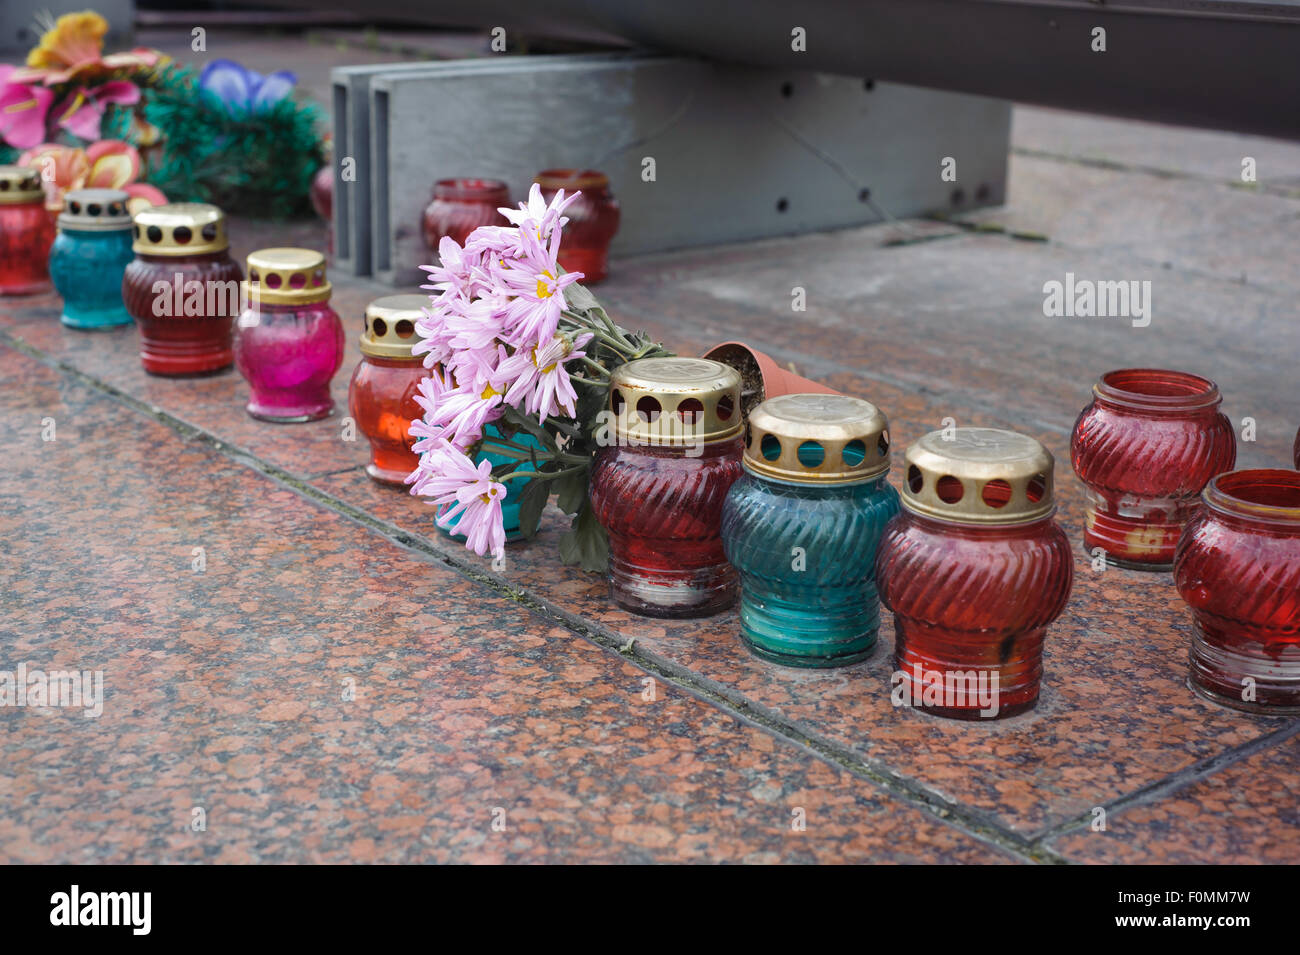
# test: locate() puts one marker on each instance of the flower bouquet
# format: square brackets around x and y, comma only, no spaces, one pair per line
[519,357]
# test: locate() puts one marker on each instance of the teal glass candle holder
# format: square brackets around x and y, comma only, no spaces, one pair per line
[514,487]
[802,526]
[90,255]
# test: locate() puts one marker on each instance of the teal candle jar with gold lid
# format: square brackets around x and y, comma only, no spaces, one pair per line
[90,256]
[802,524]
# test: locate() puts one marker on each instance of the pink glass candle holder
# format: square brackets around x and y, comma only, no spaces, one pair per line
[1144,449]
[460,206]
[289,341]
[1238,568]
[26,232]
[593,220]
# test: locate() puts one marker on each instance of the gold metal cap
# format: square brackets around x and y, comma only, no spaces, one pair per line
[20,184]
[180,228]
[286,277]
[817,439]
[389,329]
[675,401]
[979,476]
[95,210]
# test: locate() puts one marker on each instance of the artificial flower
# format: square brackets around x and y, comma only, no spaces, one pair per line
[73,48]
[83,111]
[107,164]
[243,90]
[23,109]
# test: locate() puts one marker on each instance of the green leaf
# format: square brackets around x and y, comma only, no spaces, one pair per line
[579,299]
[571,491]
[532,501]
[525,422]
[585,543]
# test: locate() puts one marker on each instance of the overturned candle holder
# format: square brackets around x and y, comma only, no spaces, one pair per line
[183,289]
[1238,568]
[802,524]
[382,390]
[659,486]
[90,256]
[290,341]
[974,569]
[1144,448]
[26,232]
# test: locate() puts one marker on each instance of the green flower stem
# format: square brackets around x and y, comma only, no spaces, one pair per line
[541,475]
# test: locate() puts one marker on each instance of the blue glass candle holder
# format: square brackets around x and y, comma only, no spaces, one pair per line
[89,256]
[514,487]
[802,525]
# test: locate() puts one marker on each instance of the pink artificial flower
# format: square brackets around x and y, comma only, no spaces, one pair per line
[540,378]
[83,111]
[23,108]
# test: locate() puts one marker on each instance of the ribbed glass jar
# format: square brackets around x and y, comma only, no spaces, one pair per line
[801,527]
[593,220]
[183,289]
[659,489]
[290,341]
[26,232]
[460,206]
[1238,568]
[974,569]
[1144,448]
[90,256]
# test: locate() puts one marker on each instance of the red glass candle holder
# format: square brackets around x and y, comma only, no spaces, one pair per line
[1144,448]
[26,232]
[659,488]
[593,220]
[183,289]
[460,206]
[974,569]
[381,394]
[289,342]
[1238,568]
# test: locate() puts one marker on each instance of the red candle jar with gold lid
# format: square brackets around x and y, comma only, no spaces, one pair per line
[659,487]
[26,232]
[974,569]
[1238,567]
[289,341]
[593,220]
[1144,449]
[460,206]
[381,394]
[183,289]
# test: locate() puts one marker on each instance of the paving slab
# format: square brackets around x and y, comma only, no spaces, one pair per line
[322,695]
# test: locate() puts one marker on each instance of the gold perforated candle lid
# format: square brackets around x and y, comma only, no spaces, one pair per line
[675,401]
[389,328]
[979,476]
[180,228]
[95,210]
[20,184]
[286,277]
[817,439]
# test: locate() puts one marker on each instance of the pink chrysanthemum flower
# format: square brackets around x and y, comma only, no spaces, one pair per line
[540,379]
[537,217]
[468,498]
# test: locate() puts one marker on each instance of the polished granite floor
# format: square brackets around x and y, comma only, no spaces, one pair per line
[297,667]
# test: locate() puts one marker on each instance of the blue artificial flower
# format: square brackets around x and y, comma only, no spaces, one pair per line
[243,90]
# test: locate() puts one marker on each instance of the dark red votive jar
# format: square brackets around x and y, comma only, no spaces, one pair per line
[1238,567]
[183,289]
[26,232]
[381,394]
[289,341]
[974,569]
[659,486]
[593,220]
[1144,449]
[460,206]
